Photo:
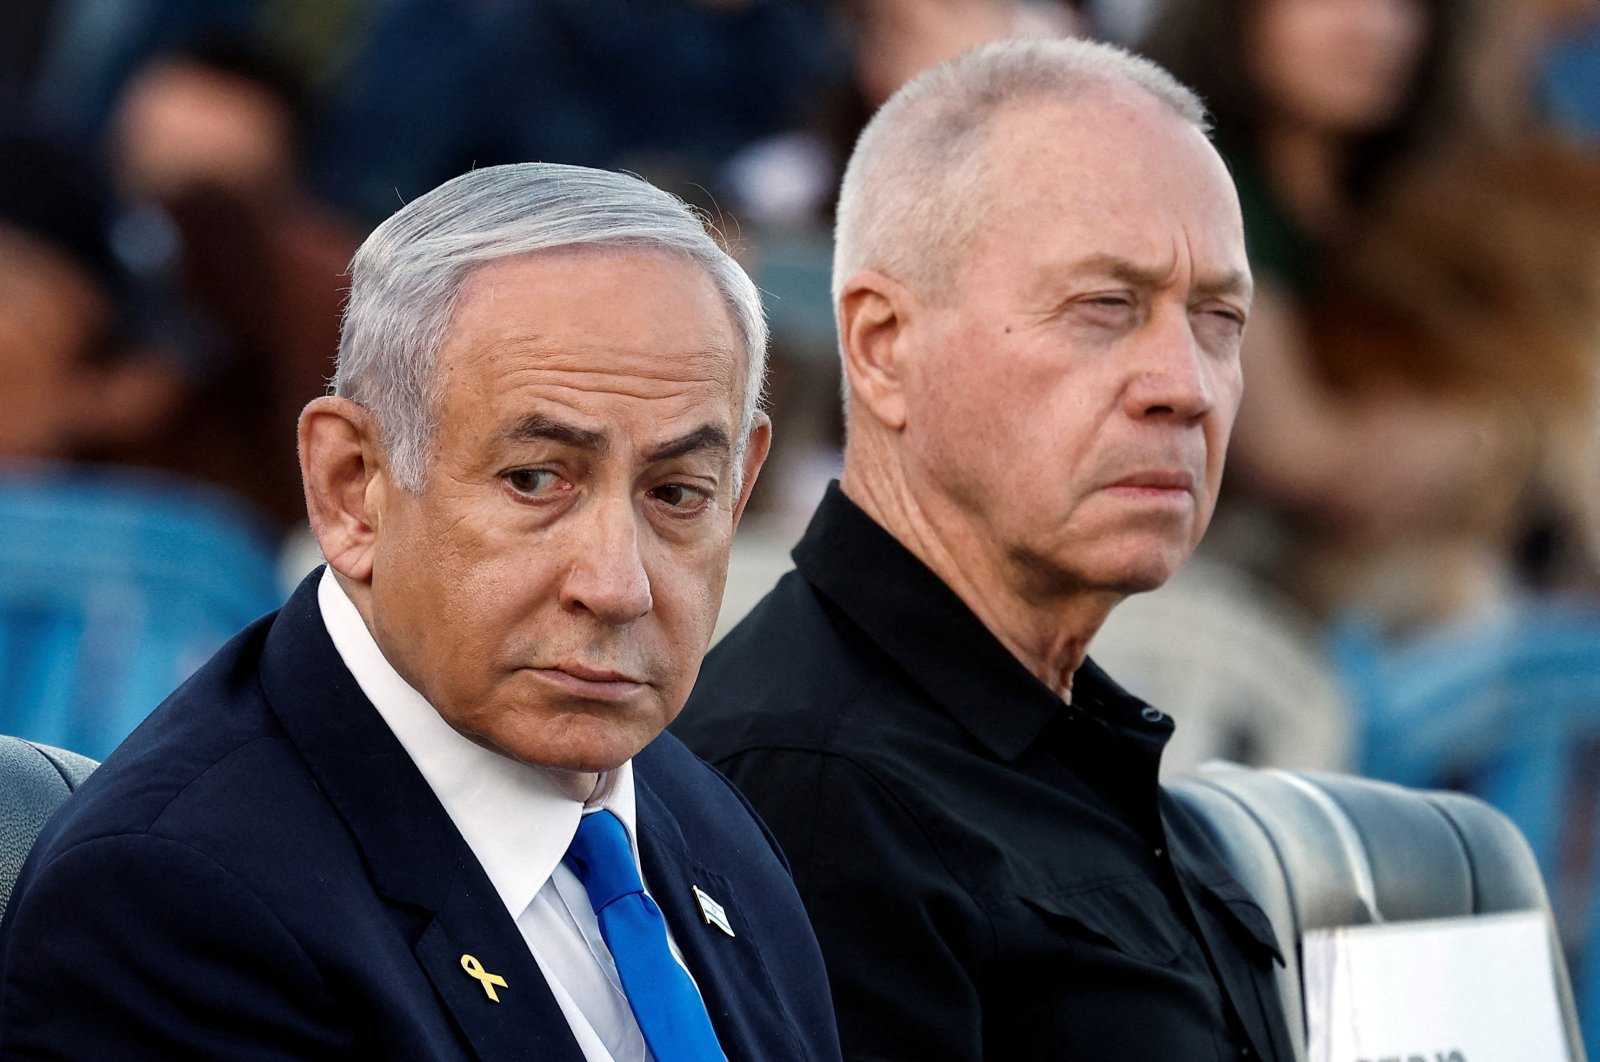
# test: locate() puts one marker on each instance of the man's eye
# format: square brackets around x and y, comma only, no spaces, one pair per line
[531,480]
[1112,307]
[1225,319]
[679,496]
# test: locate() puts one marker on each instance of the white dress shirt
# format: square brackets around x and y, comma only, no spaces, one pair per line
[518,823]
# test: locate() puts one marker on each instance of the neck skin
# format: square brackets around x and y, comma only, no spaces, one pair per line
[581,786]
[1048,630]
[1306,169]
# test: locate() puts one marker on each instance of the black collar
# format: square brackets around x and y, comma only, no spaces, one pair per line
[926,629]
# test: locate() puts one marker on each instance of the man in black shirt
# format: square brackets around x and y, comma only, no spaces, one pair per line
[1041,287]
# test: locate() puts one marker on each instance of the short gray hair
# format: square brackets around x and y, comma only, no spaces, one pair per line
[912,196]
[407,276]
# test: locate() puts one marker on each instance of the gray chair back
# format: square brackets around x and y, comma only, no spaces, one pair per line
[34,780]
[1320,851]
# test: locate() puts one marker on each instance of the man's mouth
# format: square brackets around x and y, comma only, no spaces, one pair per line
[1155,484]
[604,684]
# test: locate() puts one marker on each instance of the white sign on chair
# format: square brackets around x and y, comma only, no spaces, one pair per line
[1476,989]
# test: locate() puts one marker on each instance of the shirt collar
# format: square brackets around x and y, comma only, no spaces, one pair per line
[512,815]
[925,627]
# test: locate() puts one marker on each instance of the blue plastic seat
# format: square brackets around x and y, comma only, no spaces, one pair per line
[1506,708]
[114,586]
[34,780]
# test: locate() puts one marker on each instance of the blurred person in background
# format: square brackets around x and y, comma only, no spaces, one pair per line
[1316,105]
[1474,282]
[895,40]
[1332,115]
[68,381]
[669,90]
[207,142]
[78,55]
[114,584]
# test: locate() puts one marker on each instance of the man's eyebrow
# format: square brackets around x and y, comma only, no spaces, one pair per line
[705,437]
[1119,269]
[1232,282]
[538,426]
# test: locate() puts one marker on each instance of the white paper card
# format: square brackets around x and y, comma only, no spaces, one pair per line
[1447,990]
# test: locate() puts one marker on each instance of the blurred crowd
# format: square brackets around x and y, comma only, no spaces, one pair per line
[1404,574]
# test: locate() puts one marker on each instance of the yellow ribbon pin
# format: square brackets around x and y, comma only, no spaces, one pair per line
[475,970]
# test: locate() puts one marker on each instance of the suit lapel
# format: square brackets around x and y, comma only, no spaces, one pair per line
[732,978]
[467,932]
[417,859]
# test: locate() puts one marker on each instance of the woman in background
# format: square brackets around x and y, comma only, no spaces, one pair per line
[1382,462]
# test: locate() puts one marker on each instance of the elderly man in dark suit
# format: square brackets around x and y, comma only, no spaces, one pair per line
[426,810]
[1041,287]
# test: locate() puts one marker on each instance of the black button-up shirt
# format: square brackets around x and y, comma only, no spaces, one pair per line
[992,873]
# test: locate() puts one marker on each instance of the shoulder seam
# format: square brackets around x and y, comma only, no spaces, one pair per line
[186,786]
[938,853]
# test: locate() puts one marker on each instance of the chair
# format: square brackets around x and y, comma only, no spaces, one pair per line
[1320,851]
[1506,707]
[34,780]
[115,585]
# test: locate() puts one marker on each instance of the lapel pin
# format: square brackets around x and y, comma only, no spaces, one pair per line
[476,971]
[712,911]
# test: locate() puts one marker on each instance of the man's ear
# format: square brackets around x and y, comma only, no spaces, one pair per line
[345,481]
[755,455]
[874,310]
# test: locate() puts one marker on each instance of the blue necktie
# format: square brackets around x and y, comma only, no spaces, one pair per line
[666,1005]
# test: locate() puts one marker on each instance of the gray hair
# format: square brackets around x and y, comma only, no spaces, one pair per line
[407,276]
[913,195]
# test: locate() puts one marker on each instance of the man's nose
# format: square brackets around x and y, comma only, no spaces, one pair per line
[608,578]
[1171,376]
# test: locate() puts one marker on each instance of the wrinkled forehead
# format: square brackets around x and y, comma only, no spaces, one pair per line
[594,331]
[606,308]
[1115,172]
[1095,169]
[1110,145]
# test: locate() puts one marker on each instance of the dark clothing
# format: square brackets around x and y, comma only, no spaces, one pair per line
[261,872]
[1281,251]
[987,867]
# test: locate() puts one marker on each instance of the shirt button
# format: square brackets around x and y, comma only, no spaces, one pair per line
[1161,853]
[1245,1052]
[1151,715]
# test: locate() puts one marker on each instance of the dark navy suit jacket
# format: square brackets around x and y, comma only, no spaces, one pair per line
[261,872]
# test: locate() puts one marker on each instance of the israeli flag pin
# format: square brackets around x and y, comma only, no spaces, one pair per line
[712,911]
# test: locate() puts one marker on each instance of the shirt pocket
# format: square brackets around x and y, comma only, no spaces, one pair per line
[1246,922]
[1131,917]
